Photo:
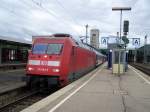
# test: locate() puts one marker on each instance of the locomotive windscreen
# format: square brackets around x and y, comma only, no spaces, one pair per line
[39,49]
[47,48]
[54,48]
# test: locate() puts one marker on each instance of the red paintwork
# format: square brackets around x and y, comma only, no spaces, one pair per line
[72,59]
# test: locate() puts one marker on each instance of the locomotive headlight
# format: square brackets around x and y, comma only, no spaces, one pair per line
[45,56]
[30,68]
[55,70]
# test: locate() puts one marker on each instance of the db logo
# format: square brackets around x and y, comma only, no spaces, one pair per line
[43,62]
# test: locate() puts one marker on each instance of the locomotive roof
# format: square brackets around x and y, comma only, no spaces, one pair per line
[87,46]
[78,43]
[61,35]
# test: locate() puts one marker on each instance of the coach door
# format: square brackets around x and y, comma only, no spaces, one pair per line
[74,61]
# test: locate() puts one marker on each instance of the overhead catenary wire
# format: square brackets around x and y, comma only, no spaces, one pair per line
[68,13]
[39,5]
[12,12]
[29,5]
[44,9]
[52,14]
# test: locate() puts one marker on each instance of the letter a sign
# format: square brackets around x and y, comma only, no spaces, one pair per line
[136,42]
[104,41]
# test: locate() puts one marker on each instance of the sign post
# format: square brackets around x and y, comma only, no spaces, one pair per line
[120,9]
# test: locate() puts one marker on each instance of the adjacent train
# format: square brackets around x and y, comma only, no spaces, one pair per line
[59,60]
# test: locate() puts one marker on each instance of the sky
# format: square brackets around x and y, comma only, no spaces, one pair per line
[22,19]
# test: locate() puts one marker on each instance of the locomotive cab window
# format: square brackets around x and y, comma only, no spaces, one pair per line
[39,48]
[54,48]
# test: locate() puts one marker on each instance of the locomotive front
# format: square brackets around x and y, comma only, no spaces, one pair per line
[44,61]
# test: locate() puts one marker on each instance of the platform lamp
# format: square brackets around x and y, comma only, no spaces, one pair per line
[145,43]
[120,9]
[86,27]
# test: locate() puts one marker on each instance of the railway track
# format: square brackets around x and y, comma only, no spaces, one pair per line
[143,68]
[17,100]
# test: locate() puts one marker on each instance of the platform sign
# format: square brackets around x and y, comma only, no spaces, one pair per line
[136,42]
[104,41]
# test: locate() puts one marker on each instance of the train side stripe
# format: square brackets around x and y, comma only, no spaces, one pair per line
[34,62]
[48,63]
[53,63]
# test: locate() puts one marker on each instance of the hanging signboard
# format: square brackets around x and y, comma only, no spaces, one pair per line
[104,41]
[136,42]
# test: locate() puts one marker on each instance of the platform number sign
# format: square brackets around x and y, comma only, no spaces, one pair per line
[136,42]
[104,41]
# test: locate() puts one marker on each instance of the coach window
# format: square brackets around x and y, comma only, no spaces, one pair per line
[54,48]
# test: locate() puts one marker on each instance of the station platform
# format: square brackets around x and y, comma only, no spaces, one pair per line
[11,79]
[100,91]
[9,66]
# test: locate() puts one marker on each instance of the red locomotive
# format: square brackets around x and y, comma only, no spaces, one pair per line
[60,59]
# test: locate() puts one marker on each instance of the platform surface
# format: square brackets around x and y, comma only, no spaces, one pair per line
[101,92]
